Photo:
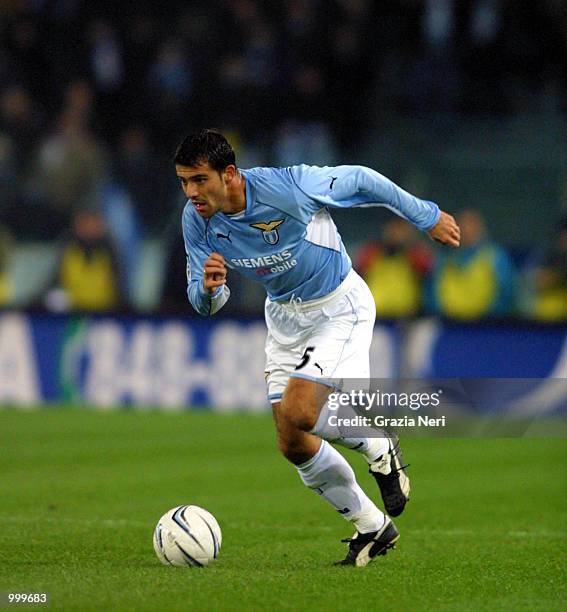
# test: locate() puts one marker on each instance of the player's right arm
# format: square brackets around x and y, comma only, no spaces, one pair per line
[206,273]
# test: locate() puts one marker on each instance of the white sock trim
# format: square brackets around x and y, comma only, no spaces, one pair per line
[377,447]
[369,520]
[311,462]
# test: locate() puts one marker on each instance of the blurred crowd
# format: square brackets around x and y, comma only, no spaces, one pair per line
[94,96]
[480,280]
[407,274]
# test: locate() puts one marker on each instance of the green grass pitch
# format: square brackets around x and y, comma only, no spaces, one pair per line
[81,492]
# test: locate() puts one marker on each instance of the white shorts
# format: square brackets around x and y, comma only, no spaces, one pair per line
[321,340]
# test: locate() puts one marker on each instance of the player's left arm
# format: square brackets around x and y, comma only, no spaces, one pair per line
[350,186]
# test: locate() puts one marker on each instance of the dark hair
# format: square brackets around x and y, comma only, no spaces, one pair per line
[206,146]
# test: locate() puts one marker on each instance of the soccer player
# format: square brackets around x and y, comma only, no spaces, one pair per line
[273,225]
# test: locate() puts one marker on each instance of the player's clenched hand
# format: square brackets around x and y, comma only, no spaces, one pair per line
[214,272]
[446,231]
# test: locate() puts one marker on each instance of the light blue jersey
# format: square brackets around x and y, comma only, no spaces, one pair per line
[286,238]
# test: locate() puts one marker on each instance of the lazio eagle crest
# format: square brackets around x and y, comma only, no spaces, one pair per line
[269,231]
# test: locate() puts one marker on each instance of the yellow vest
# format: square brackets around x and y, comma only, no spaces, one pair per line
[89,282]
[467,291]
[395,286]
[4,289]
[551,304]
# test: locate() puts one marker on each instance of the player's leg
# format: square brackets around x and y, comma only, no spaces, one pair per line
[340,350]
[324,470]
[321,467]
[352,318]
[383,455]
[337,348]
[296,404]
[371,448]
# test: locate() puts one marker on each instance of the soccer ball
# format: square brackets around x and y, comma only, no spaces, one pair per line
[187,535]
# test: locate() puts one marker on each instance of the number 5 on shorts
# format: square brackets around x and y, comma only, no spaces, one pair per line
[305,358]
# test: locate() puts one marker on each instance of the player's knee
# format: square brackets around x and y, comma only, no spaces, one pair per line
[288,448]
[293,448]
[294,444]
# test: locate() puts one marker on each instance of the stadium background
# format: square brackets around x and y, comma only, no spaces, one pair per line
[459,102]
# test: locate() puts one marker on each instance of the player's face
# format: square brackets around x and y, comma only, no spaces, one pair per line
[205,187]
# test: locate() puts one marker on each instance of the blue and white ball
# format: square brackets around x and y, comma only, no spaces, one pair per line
[187,536]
